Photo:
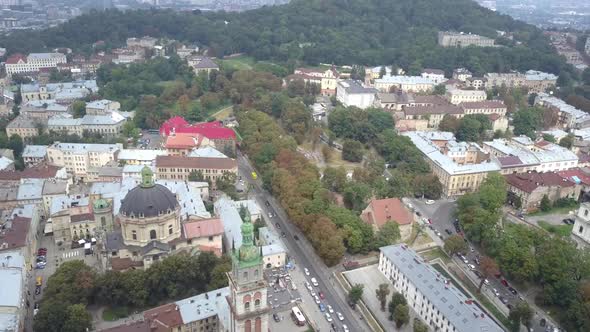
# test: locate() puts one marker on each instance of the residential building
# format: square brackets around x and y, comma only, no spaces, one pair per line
[434,299]
[53,188]
[145,41]
[461,74]
[508,80]
[457,96]
[393,101]
[486,107]
[460,39]
[206,152]
[538,81]
[13,296]
[110,173]
[404,83]
[6,164]
[180,167]
[183,144]
[186,50]
[65,124]
[381,211]
[435,75]
[569,117]
[34,154]
[499,123]
[58,92]
[110,125]
[353,93]
[274,253]
[223,138]
[581,230]
[102,107]
[128,55]
[477,83]
[34,172]
[204,235]
[139,156]
[77,158]
[375,72]
[432,113]
[32,63]
[526,190]
[201,64]
[325,78]
[43,109]
[25,126]
[460,166]
[521,154]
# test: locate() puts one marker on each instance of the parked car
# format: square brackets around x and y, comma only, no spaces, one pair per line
[345,328]
[330,309]
[306,271]
[429,202]
[543,322]
[322,296]
[322,307]
[314,282]
[471,266]
[328,317]
[448,231]
[340,316]
[418,214]
[512,290]
[496,292]
[504,282]
[317,299]
[276,317]
[37,290]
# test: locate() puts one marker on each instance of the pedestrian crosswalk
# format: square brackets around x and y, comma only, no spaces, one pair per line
[71,254]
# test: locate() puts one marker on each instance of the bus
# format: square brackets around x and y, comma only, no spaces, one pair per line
[297,316]
[254,176]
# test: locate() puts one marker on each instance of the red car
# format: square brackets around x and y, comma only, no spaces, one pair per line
[42,251]
[322,295]
[504,282]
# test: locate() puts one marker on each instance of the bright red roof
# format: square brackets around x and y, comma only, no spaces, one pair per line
[211,130]
[174,122]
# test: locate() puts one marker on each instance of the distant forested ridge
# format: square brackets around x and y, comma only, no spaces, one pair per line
[368,32]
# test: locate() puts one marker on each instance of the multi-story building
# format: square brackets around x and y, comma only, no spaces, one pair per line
[34,154]
[77,158]
[380,211]
[477,83]
[404,83]
[521,154]
[13,273]
[59,92]
[181,167]
[139,157]
[43,109]
[65,124]
[509,80]
[581,230]
[146,42]
[461,74]
[353,93]
[433,297]
[201,64]
[432,113]
[223,138]
[487,107]
[435,75]
[25,126]
[460,39]
[102,107]
[529,189]
[18,63]
[110,125]
[183,144]
[538,81]
[460,166]
[458,96]
[325,79]
[569,117]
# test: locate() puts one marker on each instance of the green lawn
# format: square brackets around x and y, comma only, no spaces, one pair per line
[113,314]
[238,63]
[560,210]
[562,230]
[434,253]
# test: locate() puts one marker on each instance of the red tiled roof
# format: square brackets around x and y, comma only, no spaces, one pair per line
[384,210]
[572,174]
[494,116]
[38,172]
[82,217]
[15,58]
[203,228]
[183,141]
[164,316]
[509,161]
[15,236]
[542,143]
[211,130]
[528,182]
[139,326]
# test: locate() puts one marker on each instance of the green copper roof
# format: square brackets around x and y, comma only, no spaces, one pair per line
[101,204]
[147,177]
[248,254]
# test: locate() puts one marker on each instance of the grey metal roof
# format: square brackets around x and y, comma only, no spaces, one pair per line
[352,87]
[464,316]
[148,202]
[35,151]
[204,305]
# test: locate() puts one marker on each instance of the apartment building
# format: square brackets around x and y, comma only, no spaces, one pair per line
[180,167]
[432,113]
[106,125]
[433,297]
[530,188]
[521,154]
[435,75]
[569,117]
[18,63]
[460,166]
[77,158]
[538,81]
[457,96]
[461,39]
[484,107]
[25,126]
[353,93]
[102,107]
[201,64]
[59,92]
[145,41]
[34,154]
[461,74]
[404,83]
[477,83]
[139,157]
[509,80]
[325,79]
[66,125]
[43,109]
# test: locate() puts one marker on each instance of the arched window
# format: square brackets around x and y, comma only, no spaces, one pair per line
[258,325]
[257,303]
[134,235]
[153,234]
[247,306]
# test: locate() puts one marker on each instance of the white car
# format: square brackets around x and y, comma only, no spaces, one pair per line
[306,271]
[496,292]
[308,286]
[317,299]
[487,282]
[471,266]
[35,311]
[328,317]
[270,214]
[340,316]
[345,328]
[313,294]
[465,261]
[314,282]
[330,309]
[429,202]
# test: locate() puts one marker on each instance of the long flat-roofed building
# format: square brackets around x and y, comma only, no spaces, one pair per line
[77,158]
[460,39]
[18,63]
[180,167]
[433,297]
[404,83]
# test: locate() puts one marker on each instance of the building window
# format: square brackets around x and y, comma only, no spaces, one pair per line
[134,235]
[257,302]
[247,306]
[581,229]
[153,234]
[585,213]
[169,229]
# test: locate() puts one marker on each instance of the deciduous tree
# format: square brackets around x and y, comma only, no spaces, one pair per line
[381,292]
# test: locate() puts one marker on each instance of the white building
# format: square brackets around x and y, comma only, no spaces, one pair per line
[12,293]
[353,93]
[34,154]
[461,39]
[105,125]
[18,63]
[458,96]
[435,75]
[430,295]
[581,230]
[569,117]
[102,107]
[404,83]
[59,92]
[139,157]
[77,158]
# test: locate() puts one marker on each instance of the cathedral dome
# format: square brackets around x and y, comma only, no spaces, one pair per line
[148,199]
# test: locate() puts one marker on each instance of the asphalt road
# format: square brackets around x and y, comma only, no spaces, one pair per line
[302,252]
[441,214]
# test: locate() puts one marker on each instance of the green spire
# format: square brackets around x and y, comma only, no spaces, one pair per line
[147,177]
[248,251]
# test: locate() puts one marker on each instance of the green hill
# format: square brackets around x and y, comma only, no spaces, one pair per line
[370,32]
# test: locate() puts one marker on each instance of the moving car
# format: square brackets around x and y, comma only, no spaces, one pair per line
[306,271]
[345,328]
[39,281]
[340,316]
